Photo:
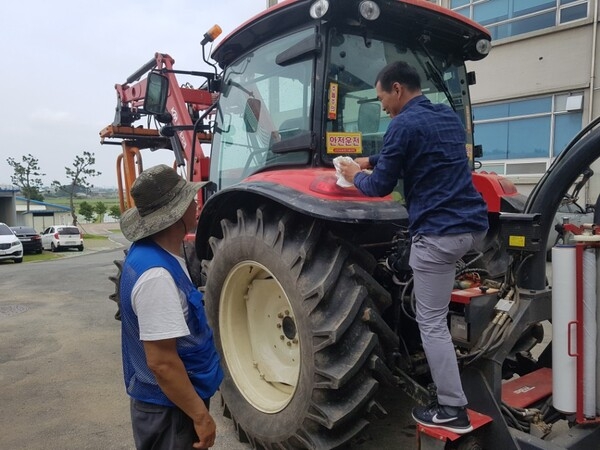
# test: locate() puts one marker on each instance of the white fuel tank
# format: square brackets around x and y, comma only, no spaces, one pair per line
[564,332]
[565,328]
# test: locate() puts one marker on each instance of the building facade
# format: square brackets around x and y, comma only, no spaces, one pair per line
[538,86]
[40,215]
[8,200]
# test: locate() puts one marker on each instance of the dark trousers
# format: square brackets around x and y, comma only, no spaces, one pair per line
[157,427]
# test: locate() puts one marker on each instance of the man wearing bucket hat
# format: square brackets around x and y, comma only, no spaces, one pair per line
[170,363]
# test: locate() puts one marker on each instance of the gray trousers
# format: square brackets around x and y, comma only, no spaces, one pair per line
[433,262]
[157,427]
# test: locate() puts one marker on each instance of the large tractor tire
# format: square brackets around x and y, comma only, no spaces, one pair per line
[285,299]
[116,279]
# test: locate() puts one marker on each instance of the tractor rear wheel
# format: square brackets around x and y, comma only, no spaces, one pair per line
[284,299]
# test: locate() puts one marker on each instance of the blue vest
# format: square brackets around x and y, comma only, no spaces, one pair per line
[197,351]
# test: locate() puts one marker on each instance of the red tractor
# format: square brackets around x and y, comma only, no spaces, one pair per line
[308,320]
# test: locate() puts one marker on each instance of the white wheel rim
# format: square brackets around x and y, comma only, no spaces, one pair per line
[259,338]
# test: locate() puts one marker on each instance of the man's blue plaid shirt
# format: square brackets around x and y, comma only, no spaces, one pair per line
[424,146]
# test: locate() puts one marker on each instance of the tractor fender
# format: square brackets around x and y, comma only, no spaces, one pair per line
[332,208]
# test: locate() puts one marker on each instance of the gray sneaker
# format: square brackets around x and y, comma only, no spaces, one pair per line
[450,418]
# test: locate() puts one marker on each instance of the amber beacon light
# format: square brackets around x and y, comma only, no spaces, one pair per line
[213,33]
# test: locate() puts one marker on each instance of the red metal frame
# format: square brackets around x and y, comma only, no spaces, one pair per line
[198,163]
[493,187]
[177,102]
[478,420]
[529,389]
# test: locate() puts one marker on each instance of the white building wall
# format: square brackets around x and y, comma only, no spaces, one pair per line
[547,63]
[560,59]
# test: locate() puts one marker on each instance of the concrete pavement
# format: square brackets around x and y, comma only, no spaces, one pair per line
[61,381]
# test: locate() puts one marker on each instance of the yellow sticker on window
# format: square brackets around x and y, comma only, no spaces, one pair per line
[344,143]
[516,241]
[333,100]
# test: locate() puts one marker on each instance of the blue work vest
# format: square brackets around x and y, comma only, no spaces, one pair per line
[197,350]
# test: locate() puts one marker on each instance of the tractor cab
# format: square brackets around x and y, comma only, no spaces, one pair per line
[303,92]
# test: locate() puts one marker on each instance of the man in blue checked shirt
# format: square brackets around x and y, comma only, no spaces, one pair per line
[424,146]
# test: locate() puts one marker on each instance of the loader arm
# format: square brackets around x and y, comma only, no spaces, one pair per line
[180,117]
[131,96]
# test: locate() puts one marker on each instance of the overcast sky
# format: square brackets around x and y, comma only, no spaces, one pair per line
[62,58]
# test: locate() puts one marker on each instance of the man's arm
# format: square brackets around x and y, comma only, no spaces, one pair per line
[170,373]
[387,165]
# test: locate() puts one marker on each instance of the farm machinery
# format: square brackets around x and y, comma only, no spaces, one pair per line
[308,319]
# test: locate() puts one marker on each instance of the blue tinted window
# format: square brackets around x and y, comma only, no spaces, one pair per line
[493,139]
[505,18]
[490,111]
[573,13]
[566,127]
[464,11]
[530,6]
[535,106]
[529,138]
[490,12]
[499,31]
[523,128]
[538,22]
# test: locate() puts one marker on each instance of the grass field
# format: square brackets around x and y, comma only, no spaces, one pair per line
[108,202]
[64,201]
[47,255]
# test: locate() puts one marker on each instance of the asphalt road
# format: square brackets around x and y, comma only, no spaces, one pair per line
[61,382]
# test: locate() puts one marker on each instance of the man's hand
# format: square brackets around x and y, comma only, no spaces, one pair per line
[170,373]
[349,170]
[206,429]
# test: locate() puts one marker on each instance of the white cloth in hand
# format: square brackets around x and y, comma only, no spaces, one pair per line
[341,181]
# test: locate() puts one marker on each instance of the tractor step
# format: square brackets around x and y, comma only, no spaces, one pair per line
[429,438]
[529,389]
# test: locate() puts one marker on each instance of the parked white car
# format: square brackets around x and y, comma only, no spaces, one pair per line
[61,237]
[10,245]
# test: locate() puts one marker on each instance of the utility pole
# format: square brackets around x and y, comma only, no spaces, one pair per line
[271,3]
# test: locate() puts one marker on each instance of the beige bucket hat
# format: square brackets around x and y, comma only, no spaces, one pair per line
[161,198]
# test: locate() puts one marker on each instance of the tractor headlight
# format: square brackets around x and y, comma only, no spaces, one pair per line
[319,8]
[369,9]
[483,46]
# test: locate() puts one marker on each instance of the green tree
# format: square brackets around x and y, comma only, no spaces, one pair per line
[78,179]
[86,210]
[100,209]
[27,177]
[115,212]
